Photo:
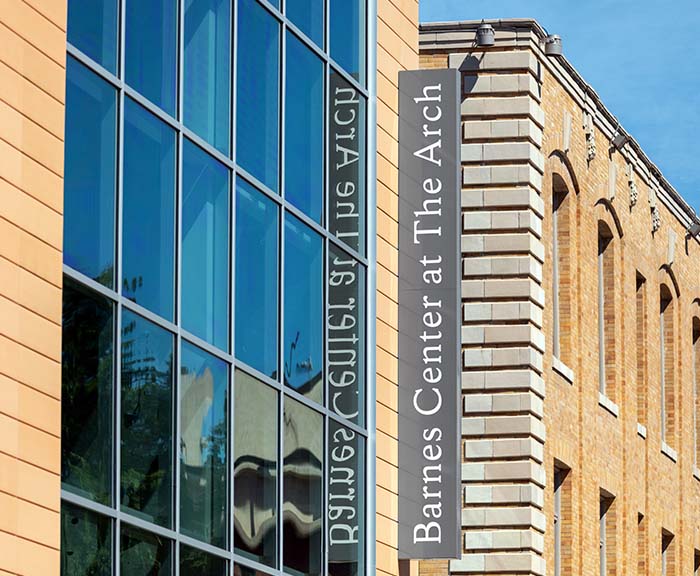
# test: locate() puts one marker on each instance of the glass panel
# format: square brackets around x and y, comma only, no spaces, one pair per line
[203,445]
[149,210]
[151,50]
[255,484]
[346,336]
[257,279]
[143,553]
[90,174]
[347,156]
[86,394]
[146,419]
[303,312]
[348,36]
[92,29]
[194,562]
[205,243]
[304,129]
[303,488]
[257,93]
[86,542]
[346,502]
[207,71]
[307,15]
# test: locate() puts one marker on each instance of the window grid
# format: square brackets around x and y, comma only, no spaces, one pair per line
[122,303]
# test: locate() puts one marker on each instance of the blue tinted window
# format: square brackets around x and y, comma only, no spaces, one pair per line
[256,279]
[92,29]
[147,419]
[148,211]
[205,241]
[347,36]
[257,106]
[307,15]
[303,310]
[90,174]
[304,129]
[203,446]
[208,70]
[151,50]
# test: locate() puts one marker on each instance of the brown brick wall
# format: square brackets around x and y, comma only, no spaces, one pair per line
[32,88]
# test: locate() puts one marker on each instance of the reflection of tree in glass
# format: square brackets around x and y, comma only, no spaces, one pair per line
[87,384]
[147,428]
[85,543]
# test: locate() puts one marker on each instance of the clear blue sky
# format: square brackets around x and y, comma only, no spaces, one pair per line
[642,58]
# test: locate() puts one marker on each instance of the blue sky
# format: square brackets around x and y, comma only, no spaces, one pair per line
[641,57]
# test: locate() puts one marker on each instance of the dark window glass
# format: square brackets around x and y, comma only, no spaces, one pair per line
[146,419]
[203,445]
[347,158]
[255,487]
[346,501]
[304,129]
[347,36]
[143,553]
[257,279]
[207,71]
[303,488]
[151,50]
[346,336]
[307,15]
[303,311]
[86,393]
[90,174]
[257,92]
[194,562]
[149,210]
[205,243]
[86,542]
[92,29]
[240,570]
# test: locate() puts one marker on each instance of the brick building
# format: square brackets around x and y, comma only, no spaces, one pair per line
[581,325]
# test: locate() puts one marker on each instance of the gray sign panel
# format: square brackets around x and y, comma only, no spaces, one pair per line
[429,318]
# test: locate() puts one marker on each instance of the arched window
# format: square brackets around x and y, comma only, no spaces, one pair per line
[668,365]
[606,312]
[561,269]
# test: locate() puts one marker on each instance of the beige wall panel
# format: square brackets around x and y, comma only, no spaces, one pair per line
[31,177]
[31,100]
[31,139]
[388,283]
[387,201]
[387,393]
[30,407]
[36,29]
[32,92]
[31,215]
[30,253]
[30,368]
[21,56]
[389,146]
[30,291]
[396,46]
[402,17]
[386,337]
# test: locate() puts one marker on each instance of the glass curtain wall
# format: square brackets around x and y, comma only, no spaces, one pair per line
[214,413]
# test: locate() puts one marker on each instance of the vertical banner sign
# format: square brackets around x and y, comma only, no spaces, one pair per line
[429,318]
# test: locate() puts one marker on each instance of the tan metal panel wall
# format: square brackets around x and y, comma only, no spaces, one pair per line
[397,49]
[32,92]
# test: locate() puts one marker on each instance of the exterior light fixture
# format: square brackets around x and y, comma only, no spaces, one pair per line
[485,35]
[694,229]
[619,140]
[553,45]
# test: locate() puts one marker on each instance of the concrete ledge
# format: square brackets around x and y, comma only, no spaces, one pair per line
[668,451]
[488,84]
[503,403]
[497,61]
[503,426]
[503,563]
[504,540]
[497,244]
[563,370]
[500,494]
[642,430]
[608,404]
[511,197]
[502,130]
[503,516]
[509,380]
[502,358]
[502,221]
[502,265]
[502,175]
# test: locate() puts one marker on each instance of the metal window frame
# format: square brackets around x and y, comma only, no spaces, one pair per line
[121,303]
